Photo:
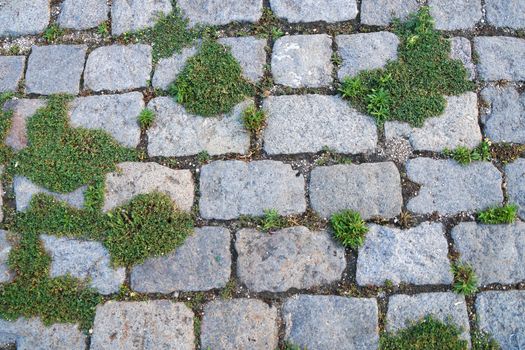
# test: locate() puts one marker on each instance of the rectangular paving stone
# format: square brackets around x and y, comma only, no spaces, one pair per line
[455,14]
[382,12]
[372,189]
[175,132]
[320,322]
[219,12]
[21,17]
[461,49]
[23,109]
[504,120]
[414,256]
[233,188]
[146,325]
[496,252]
[202,263]
[239,324]
[448,187]
[83,14]
[312,11]
[506,13]
[11,72]
[6,275]
[290,258]
[500,58]
[515,173]
[55,69]
[118,67]
[310,123]
[133,15]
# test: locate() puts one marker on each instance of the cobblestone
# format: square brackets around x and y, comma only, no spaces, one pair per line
[21,17]
[168,69]
[83,14]
[250,53]
[217,12]
[133,15]
[312,11]
[500,58]
[382,12]
[461,49]
[506,13]
[515,173]
[5,247]
[11,72]
[455,14]
[22,109]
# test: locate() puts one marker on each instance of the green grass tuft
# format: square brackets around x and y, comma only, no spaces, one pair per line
[290,346]
[465,279]
[499,215]
[349,228]
[146,118]
[465,156]
[52,33]
[253,119]
[272,220]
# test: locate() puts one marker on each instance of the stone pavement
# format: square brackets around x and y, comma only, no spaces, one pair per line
[235,287]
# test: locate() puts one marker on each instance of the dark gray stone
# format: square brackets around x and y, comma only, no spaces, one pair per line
[414,256]
[461,49]
[239,324]
[320,322]
[133,15]
[500,58]
[515,173]
[21,17]
[455,14]
[504,120]
[11,72]
[5,247]
[506,13]
[218,12]
[22,109]
[382,12]
[84,14]
[55,69]
[250,53]
[312,11]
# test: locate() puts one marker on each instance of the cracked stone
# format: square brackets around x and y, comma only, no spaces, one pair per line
[515,173]
[500,58]
[84,14]
[11,72]
[21,17]
[313,10]
[133,15]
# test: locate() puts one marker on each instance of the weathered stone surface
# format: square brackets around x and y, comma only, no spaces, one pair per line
[84,14]
[446,307]
[217,12]
[20,17]
[202,263]
[55,69]
[1,195]
[116,114]
[500,58]
[239,324]
[309,123]
[146,325]
[506,13]
[461,49]
[176,132]
[414,256]
[312,11]
[502,314]
[233,188]
[5,247]
[133,15]
[22,109]
[83,260]
[382,12]
[457,126]
[289,258]
[504,121]
[455,14]
[365,51]
[118,67]
[302,60]
[133,178]
[168,69]
[496,252]
[11,72]
[372,189]
[250,53]
[515,173]
[319,322]
[449,187]
[25,190]
[31,334]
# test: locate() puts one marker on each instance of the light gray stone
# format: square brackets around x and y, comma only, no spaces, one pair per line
[5,248]
[504,120]
[134,178]
[457,126]
[382,12]
[176,132]
[55,69]
[365,51]
[313,10]
[414,256]
[289,258]
[461,49]
[22,109]
[116,114]
[310,123]
[84,260]
[500,58]
[455,14]
[447,307]
[302,60]
[515,173]
[21,17]
[83,14]
[202,263]
[168,69]
[496,252]
[25,190]
[449,187]
[319,322]
[147,325]
[133,15]
[250,53]
[372,189]
[239,324]
[506,13]
[502,314]
[219,12]
[11,72]
[118,67]
[233,188]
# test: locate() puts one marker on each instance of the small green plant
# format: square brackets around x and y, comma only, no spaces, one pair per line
[229,289]
[351,87]
[330,156]
[203,157]
[336,59]
[103,29]
[465,280]
[499,215]
[253,119]
[14,50]
[349,228]
[484,341]
[5,125]
[291,346]
[464,155]
[146,118]
[276,33]
[378,104]
[52,33]
[272,220]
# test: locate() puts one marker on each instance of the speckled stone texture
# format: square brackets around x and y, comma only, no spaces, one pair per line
[382,12]
[21,17]
[217,12]
[11,72]
[455,14]
[461,49]
[500,58]
[5,248]
[506,13]
[23,109]
[314,10]
[515,173]
[84,14]
[133,15]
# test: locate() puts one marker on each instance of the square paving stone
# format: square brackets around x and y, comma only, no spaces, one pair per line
[55,69]
[83,14]
[515,173]
[319,322]
[219,12]
[22,110]
[303,61]
[147,325]
[382,12]
[500,58]
[21,17]
[415,256]
[239,324]
[5,248]
[11,72]
[506,13]
[315,10]
[455,14]
[133,15]
[496,252]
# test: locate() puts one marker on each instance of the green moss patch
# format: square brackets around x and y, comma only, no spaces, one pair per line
[349,228]
[5,125]
[499,215]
